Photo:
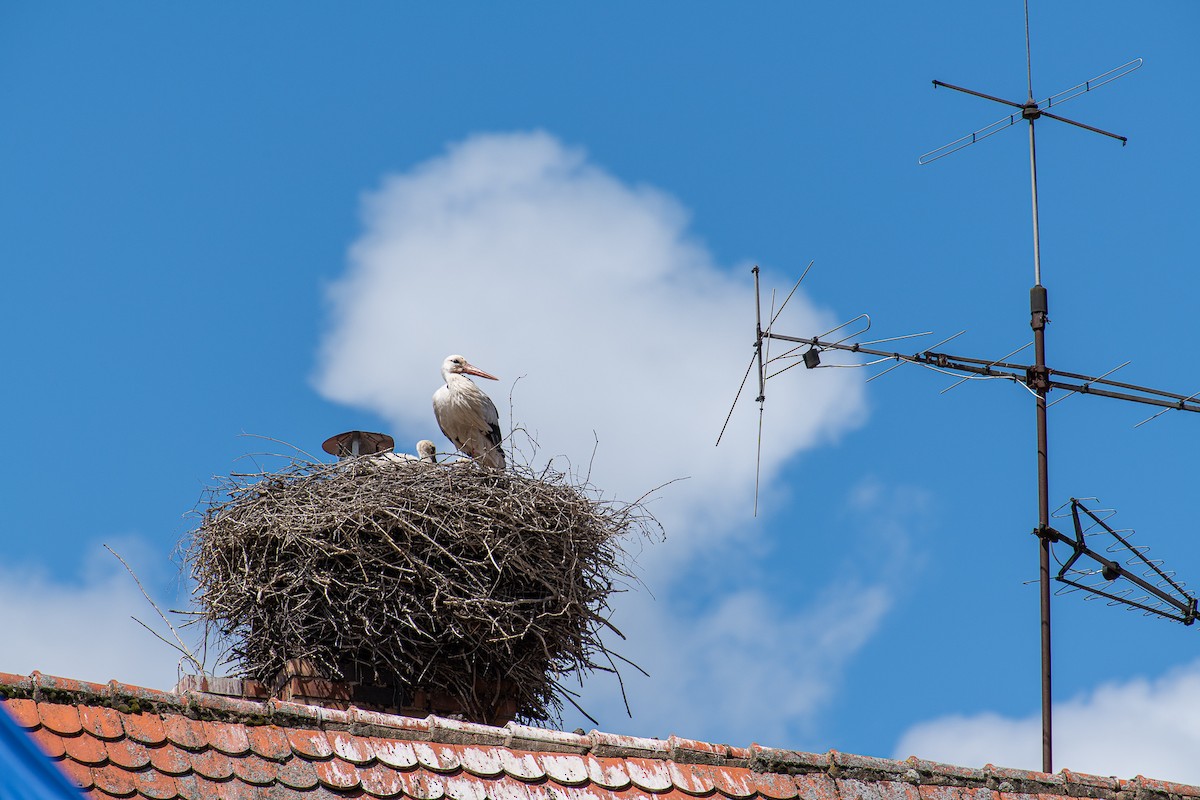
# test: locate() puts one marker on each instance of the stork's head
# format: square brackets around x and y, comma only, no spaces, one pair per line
[460,366]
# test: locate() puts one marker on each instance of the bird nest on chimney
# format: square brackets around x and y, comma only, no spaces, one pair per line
[426,580]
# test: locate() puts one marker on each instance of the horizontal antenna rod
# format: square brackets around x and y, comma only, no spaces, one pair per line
[1021,373]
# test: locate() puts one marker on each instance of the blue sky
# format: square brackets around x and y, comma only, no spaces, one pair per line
[277,220]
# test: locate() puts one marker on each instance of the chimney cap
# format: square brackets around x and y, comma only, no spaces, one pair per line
[358,443]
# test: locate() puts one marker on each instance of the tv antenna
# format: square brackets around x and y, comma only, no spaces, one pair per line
[1154,590]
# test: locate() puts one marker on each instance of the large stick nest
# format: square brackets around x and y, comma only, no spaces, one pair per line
[445,578]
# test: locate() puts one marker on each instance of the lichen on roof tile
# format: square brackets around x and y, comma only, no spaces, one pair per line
[297,774]
[185,732]
[155,785]
[481,761]
[393,753]
[564,768]
[128,754]
[687,779]
[336,774]
[523,766]
[380,781]
[310,743]
[422,786]
[348,747]
[649,774]
[170,759]
[230,738]
[774,785]
[101,722]
[145,728]
[608,773]
[269,741]
[114,782]
[437,757]
[466,787]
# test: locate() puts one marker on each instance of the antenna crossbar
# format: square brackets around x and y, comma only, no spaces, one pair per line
[1026,374]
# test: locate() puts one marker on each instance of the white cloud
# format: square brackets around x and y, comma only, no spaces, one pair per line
[516,252]
[83,629]
[1141,726]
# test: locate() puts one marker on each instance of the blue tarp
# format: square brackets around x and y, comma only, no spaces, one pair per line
[26,773]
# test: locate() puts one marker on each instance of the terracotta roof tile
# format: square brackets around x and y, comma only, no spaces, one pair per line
[101,722]
[269,742]
[128,754]
[395,754]
[523,766]
[185,732]
[607,773]
[422,785]
[437,757]
[483,762]
[298,774]
[50,742]
[62,719]
[774,785]
[79,774]
[252,769]
[122,741]
[310,744]
[380,781]
[229,739]
[653,776]
[730,781]
[24,712]
[155,785]
[212,764]
[336,774]
[170,759]
[85,749]
[819,786]
[355,749]
[145,728]
[114,782]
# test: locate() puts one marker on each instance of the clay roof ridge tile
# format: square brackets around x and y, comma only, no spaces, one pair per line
[788,762]
[935,773]
[1141,784]
[453,731]
[1091,781]
[612,744]
[527,737]
[390,726]
[53,685]
[692,751]
[12,685]
[129,699]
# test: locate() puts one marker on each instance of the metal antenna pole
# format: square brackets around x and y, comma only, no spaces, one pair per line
[1038,308]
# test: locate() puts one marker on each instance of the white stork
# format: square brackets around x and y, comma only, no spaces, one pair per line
[466,415]
[427,452]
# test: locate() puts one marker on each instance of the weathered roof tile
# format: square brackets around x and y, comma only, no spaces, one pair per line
[145,728]
[395,754]
[169,759]
[252,769]
[101,722]
[128,754]
[336,774]
[648,774]
[62,719]
[23,711]
[269,742]
[608,773]
[310,743]
[212,764]
[85,749]
[121,741]
[298,774]
[437,757]
[114,782]
[155,785]
[50,742]
[185,732]
[380,781]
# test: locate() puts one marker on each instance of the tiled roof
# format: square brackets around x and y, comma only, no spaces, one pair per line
[116,740]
